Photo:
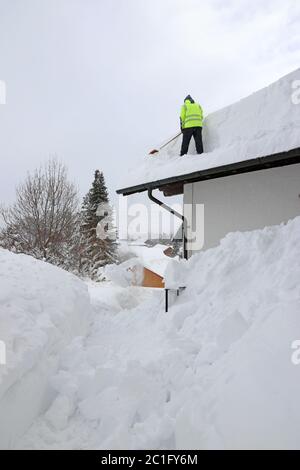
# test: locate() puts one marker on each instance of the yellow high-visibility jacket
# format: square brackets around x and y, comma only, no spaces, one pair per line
[191,115]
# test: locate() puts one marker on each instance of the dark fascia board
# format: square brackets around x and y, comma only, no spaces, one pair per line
[255,164]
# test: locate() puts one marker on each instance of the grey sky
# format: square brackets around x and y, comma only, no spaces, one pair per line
[100,82]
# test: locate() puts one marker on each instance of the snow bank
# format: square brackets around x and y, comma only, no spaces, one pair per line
[262,124]
[216,372]
[244,309]
[42,308]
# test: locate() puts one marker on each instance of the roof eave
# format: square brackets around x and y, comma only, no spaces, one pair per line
[271,161]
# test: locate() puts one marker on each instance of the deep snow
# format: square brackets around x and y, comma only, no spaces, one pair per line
[262,124]
[216,372]
[42,308]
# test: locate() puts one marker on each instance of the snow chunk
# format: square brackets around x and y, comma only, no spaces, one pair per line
[231,329]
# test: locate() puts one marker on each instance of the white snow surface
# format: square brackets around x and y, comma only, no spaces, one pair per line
[152,258]
[213,373]
[140,256]
[42,308]
[265,123]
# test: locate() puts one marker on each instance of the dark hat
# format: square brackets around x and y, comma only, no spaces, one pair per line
[189,98]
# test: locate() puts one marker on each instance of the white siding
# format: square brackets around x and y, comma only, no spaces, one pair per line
[245,202]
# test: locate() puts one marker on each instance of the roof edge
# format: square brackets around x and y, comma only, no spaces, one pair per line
[255,164]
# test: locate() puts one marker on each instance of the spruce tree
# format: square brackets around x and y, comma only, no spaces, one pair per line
[98,236]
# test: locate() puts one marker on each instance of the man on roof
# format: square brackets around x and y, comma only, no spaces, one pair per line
[191,122]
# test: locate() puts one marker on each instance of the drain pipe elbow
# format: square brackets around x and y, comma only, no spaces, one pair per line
[176,214]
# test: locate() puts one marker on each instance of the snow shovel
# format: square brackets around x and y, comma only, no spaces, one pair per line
[154,151]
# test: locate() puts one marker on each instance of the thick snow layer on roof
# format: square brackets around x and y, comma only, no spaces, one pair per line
[265,123]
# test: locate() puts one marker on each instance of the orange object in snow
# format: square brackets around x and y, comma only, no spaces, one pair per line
[154,151]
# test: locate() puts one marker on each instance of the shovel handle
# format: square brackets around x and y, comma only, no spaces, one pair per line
[154,151]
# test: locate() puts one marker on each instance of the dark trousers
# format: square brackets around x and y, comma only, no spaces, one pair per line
[195,132]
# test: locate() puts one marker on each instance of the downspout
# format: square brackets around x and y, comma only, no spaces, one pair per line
[176,214]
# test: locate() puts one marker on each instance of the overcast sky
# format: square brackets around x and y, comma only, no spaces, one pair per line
[100,82]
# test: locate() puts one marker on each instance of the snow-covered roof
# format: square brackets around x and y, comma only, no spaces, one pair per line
[265,123]
[152,258]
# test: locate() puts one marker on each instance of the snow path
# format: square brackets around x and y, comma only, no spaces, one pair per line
[105,385]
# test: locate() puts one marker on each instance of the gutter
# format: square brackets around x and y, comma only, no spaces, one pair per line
[255,164]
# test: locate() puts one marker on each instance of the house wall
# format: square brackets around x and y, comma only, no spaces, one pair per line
[152,279]
[243,202]
[144,277]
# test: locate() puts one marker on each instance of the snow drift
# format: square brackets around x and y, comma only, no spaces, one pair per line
[42,308]
[216,372]
[265,123]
